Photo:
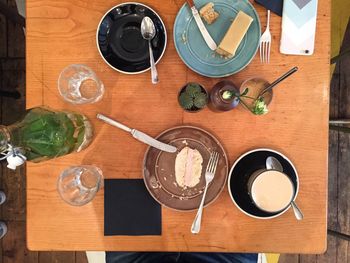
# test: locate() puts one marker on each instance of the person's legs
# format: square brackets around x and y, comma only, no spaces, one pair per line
[141,257]
[170,257]
[218,258]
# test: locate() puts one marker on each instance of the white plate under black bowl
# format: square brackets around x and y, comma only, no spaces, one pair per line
[120,42]
[241,171]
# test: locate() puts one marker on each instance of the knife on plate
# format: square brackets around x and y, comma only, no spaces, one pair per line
[143,137]
[208,39]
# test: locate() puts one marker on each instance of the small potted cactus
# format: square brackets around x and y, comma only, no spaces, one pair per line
[193,97]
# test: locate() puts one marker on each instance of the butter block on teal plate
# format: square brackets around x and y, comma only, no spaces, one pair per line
[195,53]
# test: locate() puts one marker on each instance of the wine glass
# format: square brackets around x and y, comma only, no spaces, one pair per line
[78,84]
[78,185]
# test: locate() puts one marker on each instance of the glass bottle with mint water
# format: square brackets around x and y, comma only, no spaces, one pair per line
[45,134]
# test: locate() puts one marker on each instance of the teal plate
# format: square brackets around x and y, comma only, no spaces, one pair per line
[195,53]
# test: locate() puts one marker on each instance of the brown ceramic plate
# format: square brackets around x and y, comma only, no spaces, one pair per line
[159,169]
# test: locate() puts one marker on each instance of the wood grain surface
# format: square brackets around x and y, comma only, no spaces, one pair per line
[60,33]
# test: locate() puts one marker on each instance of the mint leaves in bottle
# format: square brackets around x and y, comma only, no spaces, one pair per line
[45,134]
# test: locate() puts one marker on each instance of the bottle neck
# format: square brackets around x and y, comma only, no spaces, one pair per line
[10,135]
[5,137]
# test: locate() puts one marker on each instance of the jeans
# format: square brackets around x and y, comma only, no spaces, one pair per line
[179,257]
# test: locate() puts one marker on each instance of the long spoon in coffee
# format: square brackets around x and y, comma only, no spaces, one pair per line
[273,163]
[277,81]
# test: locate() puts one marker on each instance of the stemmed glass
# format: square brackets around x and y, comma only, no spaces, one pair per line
[78,185]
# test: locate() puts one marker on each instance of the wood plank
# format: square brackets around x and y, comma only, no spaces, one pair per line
[11,14]
[15,35]
[333,151]
[14,187]
[12,110]
[343,184]
[289,258]
[2,166]
[301,125]
[3,34]
[80,257]
[57,257]
[332,180]
[14,245]
[334,200]
[16,51]
[13,79]
[344,65]
[342,250]
[310,258]
[331,254]
[13,183]
[344,143]
[340,16]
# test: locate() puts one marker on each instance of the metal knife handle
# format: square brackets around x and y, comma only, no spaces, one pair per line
[113,122]
[154,73]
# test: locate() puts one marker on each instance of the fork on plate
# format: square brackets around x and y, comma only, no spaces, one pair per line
[265,42]
[209,176]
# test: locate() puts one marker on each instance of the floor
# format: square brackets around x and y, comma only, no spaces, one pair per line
[12,76]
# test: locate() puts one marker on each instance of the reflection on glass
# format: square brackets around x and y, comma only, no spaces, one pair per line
[78,84]
[78,185]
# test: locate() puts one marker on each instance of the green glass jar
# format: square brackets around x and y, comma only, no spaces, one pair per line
[45,134]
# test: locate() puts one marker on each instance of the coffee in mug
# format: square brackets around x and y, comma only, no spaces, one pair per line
[271,191]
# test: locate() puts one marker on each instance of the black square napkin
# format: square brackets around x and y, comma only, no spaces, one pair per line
[275,6]
[130,209]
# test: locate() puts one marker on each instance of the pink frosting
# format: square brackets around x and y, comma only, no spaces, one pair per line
[189,165]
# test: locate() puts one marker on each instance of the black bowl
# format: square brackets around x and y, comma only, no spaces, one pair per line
[120,42]
[240,173]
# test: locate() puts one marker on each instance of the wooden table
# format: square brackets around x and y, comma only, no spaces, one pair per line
[63,32]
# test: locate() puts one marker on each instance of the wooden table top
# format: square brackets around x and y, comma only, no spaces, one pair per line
[60,33]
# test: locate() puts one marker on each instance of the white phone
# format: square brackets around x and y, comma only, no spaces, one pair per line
[298,27]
